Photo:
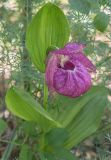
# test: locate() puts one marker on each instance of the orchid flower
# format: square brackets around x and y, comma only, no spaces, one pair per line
[68,71]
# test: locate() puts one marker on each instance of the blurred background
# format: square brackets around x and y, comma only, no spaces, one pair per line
[17,69]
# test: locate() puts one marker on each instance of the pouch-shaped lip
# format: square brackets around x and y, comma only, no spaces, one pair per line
[67,71]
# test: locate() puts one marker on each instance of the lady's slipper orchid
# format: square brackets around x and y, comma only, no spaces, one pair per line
[68,70]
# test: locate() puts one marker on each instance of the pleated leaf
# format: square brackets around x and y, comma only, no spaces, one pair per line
[81,116]
[49,27]
[68,108]
[24,106]
[87,121]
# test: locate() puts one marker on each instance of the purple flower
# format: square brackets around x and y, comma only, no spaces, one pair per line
[68,70]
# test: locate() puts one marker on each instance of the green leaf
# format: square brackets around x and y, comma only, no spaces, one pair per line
[64,154]
[49,27]
[29,128]
[87,121]
[24,106]
[94,5]
[54,145]
[10,146]
[26,153]
[101,21]
[50,156]
[81,116]
[3,126]
[82,6]
[70,107]
[60,153]
[42,157]
[56,137]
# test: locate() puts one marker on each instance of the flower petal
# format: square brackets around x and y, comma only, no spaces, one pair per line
[72,83]
[75,47]
[75,52]
[85,61]
[50,70]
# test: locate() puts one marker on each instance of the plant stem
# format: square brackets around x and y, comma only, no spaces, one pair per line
[8,142]
[45,95]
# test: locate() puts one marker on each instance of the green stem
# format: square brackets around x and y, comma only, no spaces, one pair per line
[8,142]
[45,95]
